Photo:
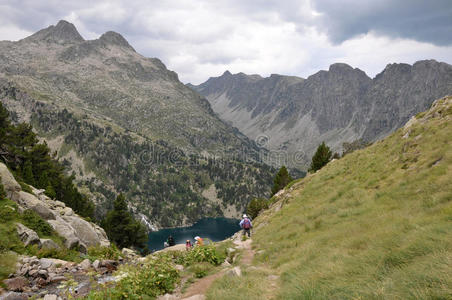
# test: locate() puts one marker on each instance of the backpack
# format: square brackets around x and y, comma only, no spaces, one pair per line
[246,224]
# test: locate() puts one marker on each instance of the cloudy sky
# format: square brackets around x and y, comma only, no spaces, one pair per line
[203,38]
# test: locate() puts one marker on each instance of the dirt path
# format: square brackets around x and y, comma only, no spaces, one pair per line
[198,289]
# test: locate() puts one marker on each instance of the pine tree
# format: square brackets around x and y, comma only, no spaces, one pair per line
[27,173]
[121,228]
[255,206]
[282,178]
[321,157]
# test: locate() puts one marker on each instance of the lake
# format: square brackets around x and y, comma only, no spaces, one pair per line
[215,229]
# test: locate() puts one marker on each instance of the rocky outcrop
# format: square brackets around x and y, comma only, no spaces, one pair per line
[9,183]
[27,236]
[76,232]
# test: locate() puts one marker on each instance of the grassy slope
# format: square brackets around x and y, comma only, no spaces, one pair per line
[376,224]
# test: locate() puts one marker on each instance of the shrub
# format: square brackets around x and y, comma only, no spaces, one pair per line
[102,252]
[156,277]
[256,206]
[206,253]
[33,221]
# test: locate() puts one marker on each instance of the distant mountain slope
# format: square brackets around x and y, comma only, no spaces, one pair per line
[339,105]
[375,224]
[124,123]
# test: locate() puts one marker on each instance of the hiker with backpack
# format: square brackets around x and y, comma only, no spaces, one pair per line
[246,225]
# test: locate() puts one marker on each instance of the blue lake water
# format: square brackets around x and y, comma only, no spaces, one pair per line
[215,229]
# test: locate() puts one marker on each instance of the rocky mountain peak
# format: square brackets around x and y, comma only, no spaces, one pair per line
[114,38]
[61,33]
[226,73]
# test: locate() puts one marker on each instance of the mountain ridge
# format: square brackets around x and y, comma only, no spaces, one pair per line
[341,104]
[122,122]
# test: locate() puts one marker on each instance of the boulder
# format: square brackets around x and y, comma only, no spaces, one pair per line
[49,244]
[85,264]
[43,211]
[46,263]
[96,264]
[66,231]
[129,253]
[234,272]
[27,236]
[16,284]
[85,231]
[50,297]
[9,183]
[25,199]
[67,211]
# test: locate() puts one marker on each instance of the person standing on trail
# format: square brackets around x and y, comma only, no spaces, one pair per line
[246,225]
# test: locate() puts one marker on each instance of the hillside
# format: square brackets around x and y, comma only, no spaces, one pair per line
[375,224]
[121,122]
[342,104]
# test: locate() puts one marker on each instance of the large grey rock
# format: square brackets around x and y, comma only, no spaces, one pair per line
[9,183]
[49,244]
[86,231]
[236,271]
[25,199]
[16,284]
[42,210]
[71,240]
[27,236]
[85,264]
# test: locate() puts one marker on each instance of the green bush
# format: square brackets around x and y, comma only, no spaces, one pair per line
[156,277]
[206,253]
[102,252]
[25,187]
[33,221]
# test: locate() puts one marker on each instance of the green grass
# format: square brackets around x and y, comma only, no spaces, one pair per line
[253,284]
[375,224]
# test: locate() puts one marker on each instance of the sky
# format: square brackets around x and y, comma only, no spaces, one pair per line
[199,39]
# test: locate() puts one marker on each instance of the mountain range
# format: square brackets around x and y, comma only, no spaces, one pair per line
[122,122]
[293,115]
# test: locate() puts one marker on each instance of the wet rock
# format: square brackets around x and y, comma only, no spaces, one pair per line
[16,284]
[27,236]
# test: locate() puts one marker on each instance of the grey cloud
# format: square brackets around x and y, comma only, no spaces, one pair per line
[425,21]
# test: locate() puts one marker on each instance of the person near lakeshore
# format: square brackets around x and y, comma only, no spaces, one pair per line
[199,241]
[170,241]
[246,225]
[188,245]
